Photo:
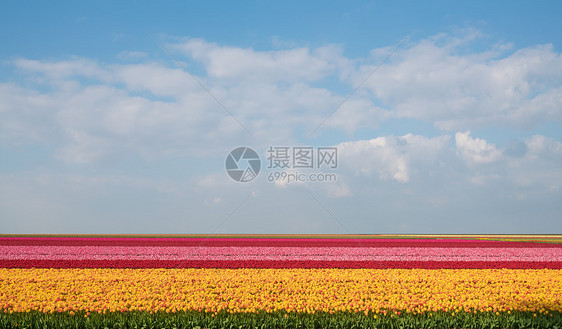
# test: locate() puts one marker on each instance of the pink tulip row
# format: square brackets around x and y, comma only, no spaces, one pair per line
[205,253]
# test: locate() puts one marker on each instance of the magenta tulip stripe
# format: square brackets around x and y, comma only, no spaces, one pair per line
[274,253]
[280,253]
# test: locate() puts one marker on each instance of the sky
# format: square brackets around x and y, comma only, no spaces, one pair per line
[366,117]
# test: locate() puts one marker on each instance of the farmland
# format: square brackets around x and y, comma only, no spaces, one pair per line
[281,281]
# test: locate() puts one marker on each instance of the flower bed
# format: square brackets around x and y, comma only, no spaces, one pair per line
[278,283]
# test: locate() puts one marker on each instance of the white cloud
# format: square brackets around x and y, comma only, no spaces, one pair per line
[392,157]
[476,150]
[150,109]
[354,114]
[422,162]
[436,82]
[27,116]
[242,64]
[156,79]
[88,110]
[63,69]
[544,147]
[111,115]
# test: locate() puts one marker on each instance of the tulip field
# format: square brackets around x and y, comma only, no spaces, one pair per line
[364,281]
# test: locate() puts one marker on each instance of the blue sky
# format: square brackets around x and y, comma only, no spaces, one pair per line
[458,131]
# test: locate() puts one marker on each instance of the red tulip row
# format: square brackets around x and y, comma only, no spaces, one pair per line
[258,242]
[42,263]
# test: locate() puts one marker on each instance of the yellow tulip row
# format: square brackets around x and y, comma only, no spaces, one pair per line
[370,291]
